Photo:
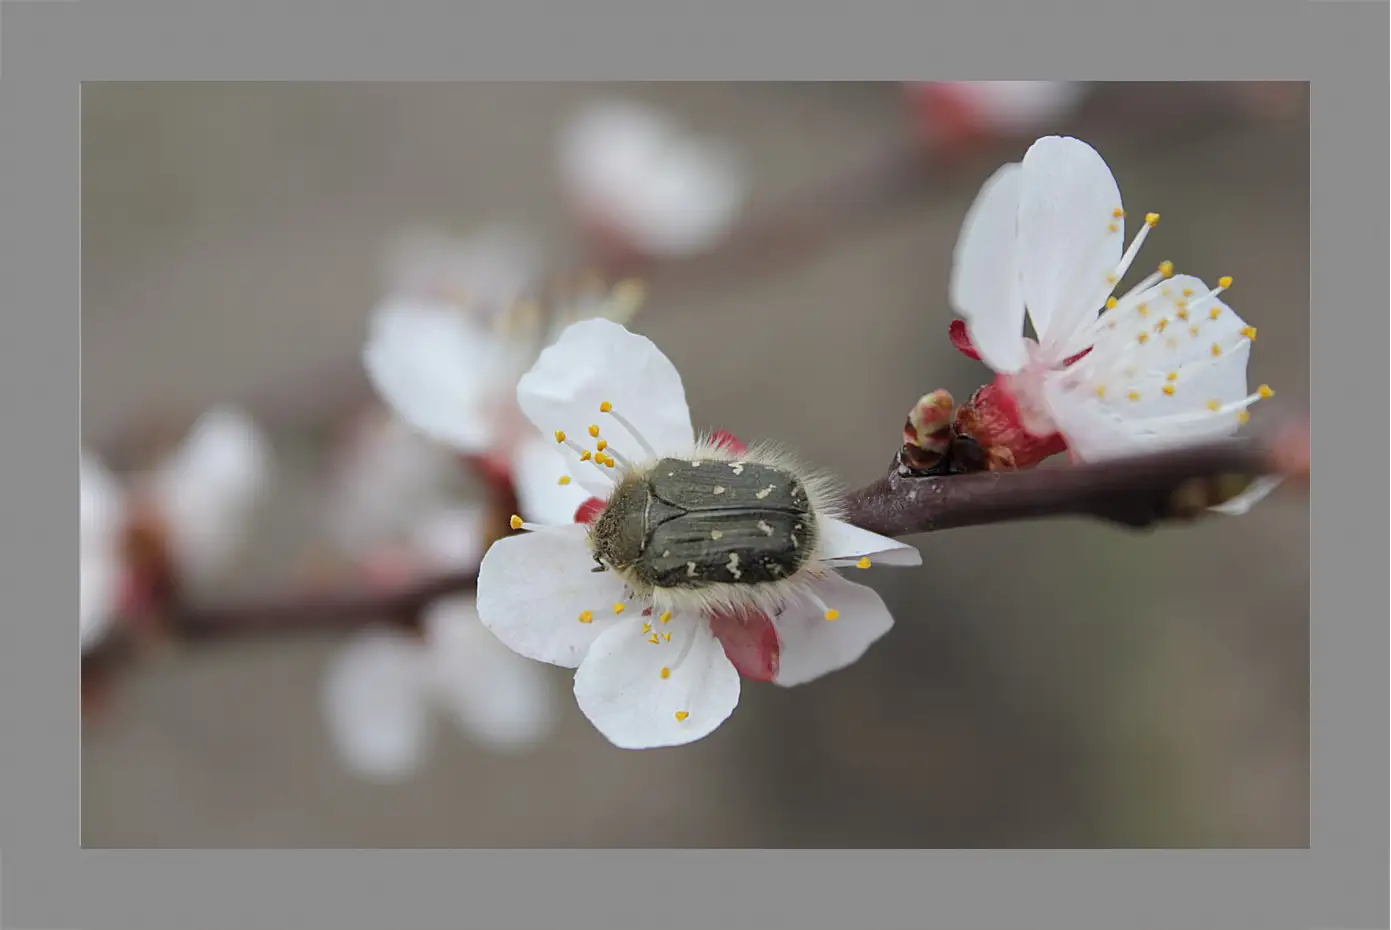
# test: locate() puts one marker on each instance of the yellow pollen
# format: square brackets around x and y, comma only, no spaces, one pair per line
[647,628]
[605,407]
[594,431]
[585,455]
[1166,268]
[601,445]
[619,607]
[666,637]
[1214,313]
[1113,228]
[1161,325]
[1110,279]
[1193,330]
[832,614]
[863,563]
[1133,395]
[560,435]
[1118,213]
[1243,417]
[608,461]
[1249,332]
[1265,392]
[1101,390]
[1214,406]
[665,617]
[1187,292]
[1142,309]
[665,673]
[1216,350]
[1151,219]
[1171,376]
[1111,303]
[1225,281]
[653,639]
[1143,338]
[586,616]
[1182,313]
[1168,390]
[681,715]
[515,522]
[564,479]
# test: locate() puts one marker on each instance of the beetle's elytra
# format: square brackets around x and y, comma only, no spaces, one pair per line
[688,524]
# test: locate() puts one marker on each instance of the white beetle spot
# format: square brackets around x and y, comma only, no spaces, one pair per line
[733,566]
[766,491]
[719,489]
[767,530]
[666,553]
[716,534]
[690,570]
[737,468]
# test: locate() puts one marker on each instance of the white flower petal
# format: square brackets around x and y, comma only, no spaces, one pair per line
[101,501]
[537,467]
[453,538]
[98,592]
[840,540]
[440,373]
[812,646]
[533,587]
[620,687]
[208,487]
[1258,491]
[499,699]
[596,361]
[1066,248]
[670,192]
[374,704]
[984,287]
[485,272]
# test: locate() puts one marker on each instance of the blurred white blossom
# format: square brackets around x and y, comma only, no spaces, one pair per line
[658,187]
[386,689]
[201,495]
[998,107]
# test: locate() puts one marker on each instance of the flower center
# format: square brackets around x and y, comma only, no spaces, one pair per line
[604,456]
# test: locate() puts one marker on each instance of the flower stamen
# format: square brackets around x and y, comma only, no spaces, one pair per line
[623,421]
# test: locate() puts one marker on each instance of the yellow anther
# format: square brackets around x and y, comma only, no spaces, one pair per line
[1265,392]
[665,673]
[666,637]
[1111,303]
[619,607]
[515,522]
[1225,281]
[1142,338]
[653,639]
[608,461]
[586,616]
[681,715]
[647,628]
[1214,313]
[1249,332]
[601,445]
[832,614]
[1214,405]
[1166,268]
[1113,228]
[605,407]
[585,455]
[1181,313]
[1187,292]
[1142,309]
[1216,350]
[1193,330]
[594,430]
[1111,278]
[665,617]
[564,479]
[1118,213]
[1133,395]
[1161,325]
[1151,219]
[1243,417]
[1101,390]
[560,435]
[1168,390]
[863,563]
[1171,376]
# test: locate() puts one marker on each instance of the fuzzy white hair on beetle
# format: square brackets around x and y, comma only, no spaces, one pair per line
[690,530]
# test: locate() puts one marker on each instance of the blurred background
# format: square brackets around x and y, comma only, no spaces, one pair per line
[1054,684]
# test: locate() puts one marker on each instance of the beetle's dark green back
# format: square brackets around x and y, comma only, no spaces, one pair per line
[689,524]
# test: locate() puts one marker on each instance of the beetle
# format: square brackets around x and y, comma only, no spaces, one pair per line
[696,523]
